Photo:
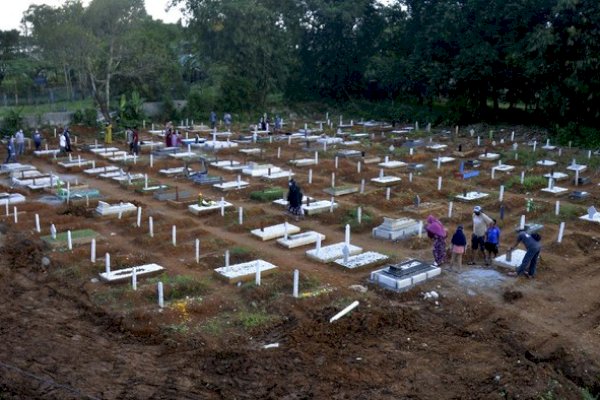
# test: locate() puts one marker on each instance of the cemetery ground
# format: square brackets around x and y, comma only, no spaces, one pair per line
[66,334]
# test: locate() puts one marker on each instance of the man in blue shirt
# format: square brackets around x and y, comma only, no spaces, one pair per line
[533,247]
[492,240]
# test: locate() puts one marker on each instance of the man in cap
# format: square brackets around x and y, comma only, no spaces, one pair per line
[480,225]
[533,247]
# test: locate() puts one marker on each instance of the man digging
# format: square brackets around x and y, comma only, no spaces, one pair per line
[480,225]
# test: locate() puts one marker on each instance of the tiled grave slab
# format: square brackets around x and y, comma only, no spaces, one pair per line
[555,190]
[183,154]
[231,185]
[245,271]
[100,170]
[127,178]
[392,164]
[349,153]
[341,190]
[386,180]
[303,162]
[489,157]
[278,175]
[516,259]
[42,153]
[504,168]
[256,170]
[577,167]
[366,259]
[396,228]
[104,208]
[99,150]
[471,196]
[444,160]
[231,165]
[12,167]
[403,276]
[274,231]
[318,207]
[208,206]
[11,198]
[284,203]
[75,163]
[300,239]
[332,252]
[216,145]
[330,140]
[546,163]
[125,274]
[557,176]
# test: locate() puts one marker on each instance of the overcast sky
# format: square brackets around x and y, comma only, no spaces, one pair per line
[11,11]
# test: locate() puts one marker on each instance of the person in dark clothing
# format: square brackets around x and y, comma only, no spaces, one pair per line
[67,140]
[533,247]
[294,199]
[459,243]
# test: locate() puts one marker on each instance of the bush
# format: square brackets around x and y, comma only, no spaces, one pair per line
[579,136]
[86,117]
[13,121]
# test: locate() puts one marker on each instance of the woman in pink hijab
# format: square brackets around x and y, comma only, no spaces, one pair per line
[437,232]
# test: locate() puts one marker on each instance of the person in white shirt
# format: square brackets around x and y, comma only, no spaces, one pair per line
[480,224]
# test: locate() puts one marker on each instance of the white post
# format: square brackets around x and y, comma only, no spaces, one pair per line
[174,235]
[241,216]
[318,245]
[69,241]
[347,309]
[222,207]
[278,152]
[359,215]
[478,141]
[512,136]
[151,226]
[139,217]
[134,278]
[493,172]
[226,258]
[107,263]
[151,160]
[333,179]
[347,235]
[197,251]
[362,186]
[420,229]
[336,162]
[388,192]
[257,278]
[561,231]
[557,208]
[410,177]
[37,223]
[380,173]
[439,183]
[6,209]
[522,222]
[534,145]
[93,251]
[285,230]
[296,282]
[358,167]
[450,206]
[316,157]
[16,213]
[145,181]
[53,232]
[589,154]
[501,195]
[310,176]
[577,177]
[439,162]
[522,177]
[331,204]
[161,295]
[411,151]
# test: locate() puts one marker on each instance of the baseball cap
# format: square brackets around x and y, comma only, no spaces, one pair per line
[477,209]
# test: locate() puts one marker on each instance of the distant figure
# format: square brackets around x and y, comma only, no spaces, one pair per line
[129,139]
[37,140]
[227,119]
[459,243]
[20,142]
[67,136]
[213,119]
[492,240]
[294,199]
[175,139]
[277,122]
[108,135]
[437,232]
[10,150]
[62,144]
[168,138]
[480,224]
[262,123]
[135,142]
[533,247]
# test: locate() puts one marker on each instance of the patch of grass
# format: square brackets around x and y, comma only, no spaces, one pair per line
[239,251]
[180,286]
[530,183]
[567,212]
[266,195]
[109,296]
[254,319]
[181,328]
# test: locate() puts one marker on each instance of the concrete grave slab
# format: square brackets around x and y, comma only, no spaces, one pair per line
[471,196]
[105,209]
[208,206]
[392,164]
[11,198]
[489,157]
[245,271]
[546,163]
[386,180]
[303,162]
[277,175]
[318,207]
[125,274]
[516,260]
[504,168]
[284,202]
[332,252]
[577,167]
[557,176]
[396,228]
[555,190]
[437,147]
[231,185]
[444,160]
[341,190]
[100,170]
[363,260]
[274,231]
[300,239]
[404,275]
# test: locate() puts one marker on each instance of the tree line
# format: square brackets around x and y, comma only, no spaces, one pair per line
[476,59]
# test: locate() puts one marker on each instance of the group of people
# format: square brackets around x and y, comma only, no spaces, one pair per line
[485,240]
[227,120]
[15,145]
[173,138]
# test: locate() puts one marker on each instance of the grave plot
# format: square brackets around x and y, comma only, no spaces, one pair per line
[47,152]
[364,260]
[404,275]
[349,153]
[78,237]
[327,254]
[318,207]
[351,143]
[11,198]
[579,195]
[183,154]
[372,160]
[443,160]
[389,164]
[78,163]
[228,165]
[593,215]
[103,150]
[245,271]
[174,171]
[396,228]
[327,140]
[576,167]
[437,147]
[128,178]
[124,275]
[217,145]
[489,157]
[426,208]
[101,170]
[113,154]
[32,173]
[504,168]
[284,203]
[254,151]
[303,162]
[557,176]
[173,194]
[300,239]
[257,170]
[275,231]
[205,206]
[231,185]
[553,189]
[15,167]
[203,178]
[471,196]
[386,181]
[546,163]
[516,259]
[278,175]
[106,209]
[341,190]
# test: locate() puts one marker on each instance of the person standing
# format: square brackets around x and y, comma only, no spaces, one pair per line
[67,136]
[533,247]
[135,142]
[294,199]
[213,119]
[108,135]
[62,143]
[227,119]
[129,139]
[37,140]
[437,232]
[10,150]
[480,224]
[492,241]
[459,243]
[20,142]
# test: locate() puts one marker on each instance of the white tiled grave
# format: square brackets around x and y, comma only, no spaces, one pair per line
[11,167]
[516,259]
[489,157]
[444,160]
[100,150]
[75,163]
[557,176]
[392,164]
[504,168]
[471,196]
[396,228]
[104,208]
[256,170]
[302,162]
[11,198]
[349,153]
[318,207]
[274,231]
[404,275]
[126,273]
[330,140]
[350,143]
[231,185]
[228,165]
[127,178]
[244,271]
[113,154]
[183,154]
[112,174]
[43,183]
[592,215]
[215,145]
[34,180]
[32,173]
[366,259]
[284,202]
[278,175]
[332,252]
[546,163]
[100,170]
[173,171]
[555,190]
[387,180]
[50,152]
[251,151]
[300,239]
[577,167]
[209,206]
[437,147]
